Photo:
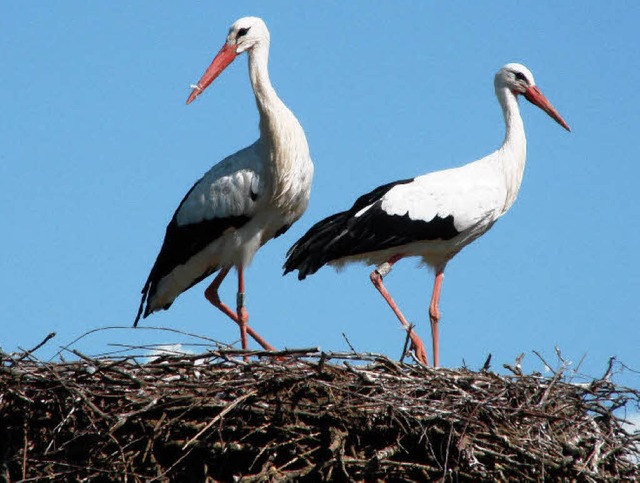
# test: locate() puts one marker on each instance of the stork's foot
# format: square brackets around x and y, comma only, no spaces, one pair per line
[376,279]
[418,347]
[241,317]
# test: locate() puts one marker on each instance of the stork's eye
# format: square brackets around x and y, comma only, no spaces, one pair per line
[241,32]
[520,76]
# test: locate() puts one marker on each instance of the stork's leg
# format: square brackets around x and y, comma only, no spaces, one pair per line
[434,316]
[243,316]
[211,293]
[376,278]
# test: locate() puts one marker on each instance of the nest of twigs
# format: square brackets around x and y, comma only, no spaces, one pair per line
[311,416]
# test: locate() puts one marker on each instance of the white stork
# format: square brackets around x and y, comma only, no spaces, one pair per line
[432,216]
[242,202]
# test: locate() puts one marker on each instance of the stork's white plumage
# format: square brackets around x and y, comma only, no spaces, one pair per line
[244,201]
[432,216]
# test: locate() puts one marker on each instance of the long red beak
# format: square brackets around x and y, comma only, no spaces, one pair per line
[220,62]
[533,95]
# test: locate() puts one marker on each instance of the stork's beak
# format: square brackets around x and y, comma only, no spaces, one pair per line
[220,62]
[533,95]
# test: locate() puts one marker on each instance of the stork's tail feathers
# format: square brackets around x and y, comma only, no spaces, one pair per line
[336,237]
[314,249]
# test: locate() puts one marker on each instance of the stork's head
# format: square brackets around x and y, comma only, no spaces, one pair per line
[519,80]
[516,77]
[245,34]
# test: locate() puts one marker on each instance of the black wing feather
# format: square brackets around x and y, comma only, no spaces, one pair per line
[343,235]
[181,242]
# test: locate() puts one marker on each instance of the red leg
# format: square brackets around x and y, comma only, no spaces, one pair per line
[211,293]
[243,316]
[434,316]
[376,278]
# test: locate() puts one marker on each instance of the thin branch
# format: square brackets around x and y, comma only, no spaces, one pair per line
[26,354]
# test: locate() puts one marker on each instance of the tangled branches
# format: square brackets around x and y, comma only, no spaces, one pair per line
[313,416]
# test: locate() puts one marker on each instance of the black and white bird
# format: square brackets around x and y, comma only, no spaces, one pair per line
[432,216]
[243,201]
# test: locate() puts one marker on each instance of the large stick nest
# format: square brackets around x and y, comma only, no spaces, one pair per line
[311,416]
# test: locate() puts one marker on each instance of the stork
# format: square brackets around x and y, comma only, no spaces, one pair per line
[432,216]
[243,201]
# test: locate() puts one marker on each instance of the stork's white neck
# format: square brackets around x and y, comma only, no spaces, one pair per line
[281,135]
[513,152]
[271,108]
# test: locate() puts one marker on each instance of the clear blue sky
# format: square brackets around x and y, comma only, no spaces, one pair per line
[98,148]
